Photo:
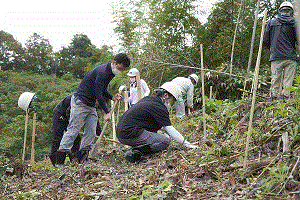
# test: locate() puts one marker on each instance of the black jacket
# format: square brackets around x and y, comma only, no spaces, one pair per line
[63,108]
[280,36]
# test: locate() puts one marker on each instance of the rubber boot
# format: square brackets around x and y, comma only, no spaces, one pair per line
[60,159]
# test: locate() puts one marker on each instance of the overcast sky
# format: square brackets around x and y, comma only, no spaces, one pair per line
[59,21]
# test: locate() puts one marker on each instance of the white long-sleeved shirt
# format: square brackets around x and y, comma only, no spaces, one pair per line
[175,135]
[187,88]
[133,96]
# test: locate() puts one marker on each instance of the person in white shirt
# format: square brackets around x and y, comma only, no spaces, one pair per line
[133,93]
[186,86]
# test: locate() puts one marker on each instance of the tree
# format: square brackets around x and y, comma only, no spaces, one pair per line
[39,54]
[80,46]
[11,52]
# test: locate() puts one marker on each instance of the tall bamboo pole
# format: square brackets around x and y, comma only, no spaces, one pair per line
[113,121]
[33,138]
[234,36]
[253,36]
[255,81]
[126,100]
[210,92]
[138,85]
[25,136]
[203,92]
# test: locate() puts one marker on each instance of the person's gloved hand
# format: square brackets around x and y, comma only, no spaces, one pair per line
[189,145]
[107,117]
[117,97]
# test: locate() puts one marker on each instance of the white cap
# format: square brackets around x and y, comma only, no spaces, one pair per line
[25,100]
[172,89]
[122,88]
[195,77]
[133,72]
[286,4]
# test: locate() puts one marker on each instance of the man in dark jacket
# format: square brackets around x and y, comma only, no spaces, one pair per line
[280,36]
[83,112]
[60,120]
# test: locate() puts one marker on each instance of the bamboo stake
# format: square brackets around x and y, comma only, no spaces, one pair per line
[33,138]
[203,92]
[138,85]
[234,37]
[113,121]
[25,136]
[210,92]
[97,144]
[118,112]
[126,100]
[255,81]
[253,36]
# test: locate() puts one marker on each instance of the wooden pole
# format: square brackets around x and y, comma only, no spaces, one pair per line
[138,85]
[118,112]
[33,138]
[25,136]
[203,92]
[210,92]
[234,37]
[113,121]
[255,81]
[253,36]
[126,100]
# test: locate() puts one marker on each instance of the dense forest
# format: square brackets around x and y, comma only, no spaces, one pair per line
[163,40]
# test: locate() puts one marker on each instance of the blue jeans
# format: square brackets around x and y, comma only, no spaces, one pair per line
[81,116]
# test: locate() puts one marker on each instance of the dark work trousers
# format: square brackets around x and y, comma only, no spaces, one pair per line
[148,142]
[59,127]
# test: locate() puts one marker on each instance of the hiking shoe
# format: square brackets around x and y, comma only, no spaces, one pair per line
[133,156]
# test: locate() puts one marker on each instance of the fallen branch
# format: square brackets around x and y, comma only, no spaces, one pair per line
[290,176]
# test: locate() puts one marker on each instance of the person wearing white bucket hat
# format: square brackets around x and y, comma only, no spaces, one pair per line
[138,126]
[133,93]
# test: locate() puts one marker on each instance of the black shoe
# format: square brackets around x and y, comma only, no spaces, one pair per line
[84,156]
[133,156]
[60,159]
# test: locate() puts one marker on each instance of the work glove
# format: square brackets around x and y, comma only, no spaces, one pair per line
[189,145]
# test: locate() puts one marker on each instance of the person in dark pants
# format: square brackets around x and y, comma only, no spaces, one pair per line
[83,113]
[60,121]
[281,38]
[138,126]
